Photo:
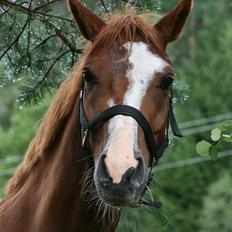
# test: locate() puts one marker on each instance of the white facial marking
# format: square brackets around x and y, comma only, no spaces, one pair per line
[110,102]
[123,130]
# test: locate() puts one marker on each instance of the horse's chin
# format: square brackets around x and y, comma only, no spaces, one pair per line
[121,197]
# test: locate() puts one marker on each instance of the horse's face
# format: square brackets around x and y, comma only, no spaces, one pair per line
[129,73]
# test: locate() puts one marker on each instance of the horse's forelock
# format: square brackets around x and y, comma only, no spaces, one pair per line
[128,28]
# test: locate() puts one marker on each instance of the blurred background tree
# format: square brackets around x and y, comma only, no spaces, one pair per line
[216,214]
[38,46]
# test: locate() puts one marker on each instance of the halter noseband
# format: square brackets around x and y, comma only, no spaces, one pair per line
[155,152]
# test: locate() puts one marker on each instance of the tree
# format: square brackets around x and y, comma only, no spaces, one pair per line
[34,48]
[40,43]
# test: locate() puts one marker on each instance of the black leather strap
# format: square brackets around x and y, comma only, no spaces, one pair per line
[126,110]
[83,119]
[172,120]
[171,116]
[132,112]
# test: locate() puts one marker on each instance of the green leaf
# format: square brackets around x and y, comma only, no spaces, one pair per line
[213,152]
[216,134]
[228,140]
[226,125]
[202,148]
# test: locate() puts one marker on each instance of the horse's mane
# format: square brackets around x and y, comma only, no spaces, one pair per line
[120,28]
[51,123]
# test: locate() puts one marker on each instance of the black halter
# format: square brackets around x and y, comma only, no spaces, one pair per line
[155,152]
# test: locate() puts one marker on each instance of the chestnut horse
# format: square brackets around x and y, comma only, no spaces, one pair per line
[124,78]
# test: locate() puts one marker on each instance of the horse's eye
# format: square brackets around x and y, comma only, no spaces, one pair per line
[166,82]
[88,76]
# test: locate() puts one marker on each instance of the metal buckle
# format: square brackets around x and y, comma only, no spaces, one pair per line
[81,93]
[84,137]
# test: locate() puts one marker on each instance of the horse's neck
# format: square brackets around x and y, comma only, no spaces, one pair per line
[51,197]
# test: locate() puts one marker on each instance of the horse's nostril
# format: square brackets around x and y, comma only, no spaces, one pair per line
[126,178]
[139,174]
[103,177]
[134,176]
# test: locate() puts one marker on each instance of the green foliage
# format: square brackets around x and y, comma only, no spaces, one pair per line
[23,124]
[33,50]
[16,136]
[216,214]
[39,45]
[216,134]
[223,133]
[203,147]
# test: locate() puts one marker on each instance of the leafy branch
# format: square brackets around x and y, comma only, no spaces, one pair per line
[34,92]
[25,10]
[104,6]
[221,134]
[62,36]
[130,3]
[30,12]
[37,37]
[15,40]
[33,39]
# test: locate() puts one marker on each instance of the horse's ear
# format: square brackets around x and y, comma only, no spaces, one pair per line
[89,23]
[171,25]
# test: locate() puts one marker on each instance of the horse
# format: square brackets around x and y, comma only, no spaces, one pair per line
[96,147]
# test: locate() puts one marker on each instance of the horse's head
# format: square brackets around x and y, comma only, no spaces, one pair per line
[126,64]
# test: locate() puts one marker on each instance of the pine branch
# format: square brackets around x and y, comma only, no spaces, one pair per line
[2,79]
[19,53]
[25,10]
[33,91]
[130,3]
[61,35]
[30,12]
[15,40]
[104,6]
[5,11]
[133,2]
[45,5]
[29,35]
[43,42]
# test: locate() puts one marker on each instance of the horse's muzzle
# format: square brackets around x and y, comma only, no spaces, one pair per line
[125,193]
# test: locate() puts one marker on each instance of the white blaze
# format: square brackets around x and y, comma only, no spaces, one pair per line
[123,130]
